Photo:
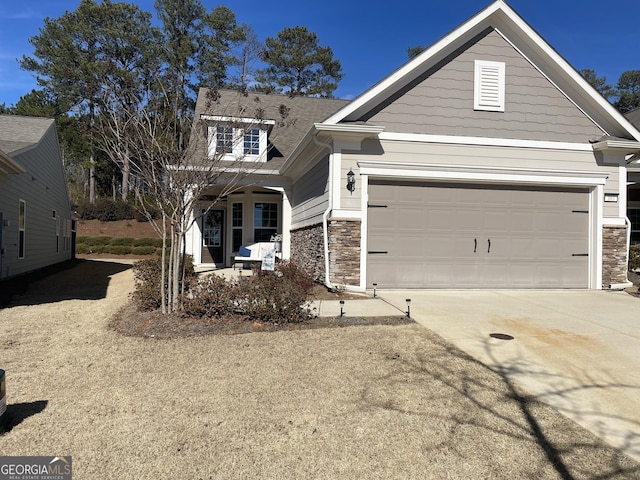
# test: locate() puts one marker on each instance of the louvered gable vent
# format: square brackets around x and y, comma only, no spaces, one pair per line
[489,86]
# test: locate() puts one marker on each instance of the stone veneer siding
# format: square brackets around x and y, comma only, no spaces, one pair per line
[614,255]
[307,250]
[344,248]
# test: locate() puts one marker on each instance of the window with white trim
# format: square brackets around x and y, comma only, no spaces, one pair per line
[224,139]
[489,86]
[236,224]
[233,142]
[252,141]
[265,221]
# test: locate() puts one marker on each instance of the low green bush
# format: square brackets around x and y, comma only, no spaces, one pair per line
[128,241]
[93,241]
[118,249]
[147,242]
[81,248]
[144,250]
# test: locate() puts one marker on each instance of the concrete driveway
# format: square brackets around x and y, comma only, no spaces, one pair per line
[578,351]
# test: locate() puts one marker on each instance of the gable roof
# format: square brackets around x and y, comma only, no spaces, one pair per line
[527,41]
[18,133]
[292,116]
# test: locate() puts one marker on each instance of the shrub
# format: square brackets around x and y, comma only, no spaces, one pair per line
[279,296]
[128,241]
[211,296]
[147,242]
[634,257]
[92,241]
[118,249]
[143,250]
[147,295]
[82,248]
[106,209]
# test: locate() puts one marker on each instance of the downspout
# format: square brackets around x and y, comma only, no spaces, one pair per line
[325,215]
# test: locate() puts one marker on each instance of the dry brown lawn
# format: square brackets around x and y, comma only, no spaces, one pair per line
[358,402]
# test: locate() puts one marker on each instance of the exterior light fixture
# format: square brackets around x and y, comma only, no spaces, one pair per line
[351,181]
[375,285]
[341,308]
[408,307]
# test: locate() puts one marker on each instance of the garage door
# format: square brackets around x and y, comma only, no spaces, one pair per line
[477,236]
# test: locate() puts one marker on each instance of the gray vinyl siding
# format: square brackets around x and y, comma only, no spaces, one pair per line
[486,156]
[311,194]
[442,103]
[43,188]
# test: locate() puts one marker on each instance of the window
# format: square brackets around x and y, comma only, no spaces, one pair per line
[252,141]
[265,221]
[489,80]
[224,139]
[22,222]
[58,226]
[236,224]
[212,228]
[634,217]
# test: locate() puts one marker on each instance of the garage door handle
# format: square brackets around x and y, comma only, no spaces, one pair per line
[374,252]
[475,245]
[489,247]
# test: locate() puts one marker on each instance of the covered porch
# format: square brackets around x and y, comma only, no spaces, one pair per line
[221,225]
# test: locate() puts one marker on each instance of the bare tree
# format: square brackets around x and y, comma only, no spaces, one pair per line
[172,180]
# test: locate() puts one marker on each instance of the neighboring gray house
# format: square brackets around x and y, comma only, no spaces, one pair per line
[35,215]
[485,162]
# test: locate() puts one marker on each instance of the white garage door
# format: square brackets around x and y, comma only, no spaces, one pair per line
[477,236]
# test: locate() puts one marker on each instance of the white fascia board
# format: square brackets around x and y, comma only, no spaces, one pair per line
[482,174]
[626,146]
[247,120]
[343,131]
[9,165]
[485,141]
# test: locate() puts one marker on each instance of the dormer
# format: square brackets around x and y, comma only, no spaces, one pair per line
[237,138]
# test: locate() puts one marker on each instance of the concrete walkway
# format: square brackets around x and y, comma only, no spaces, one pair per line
[578,351]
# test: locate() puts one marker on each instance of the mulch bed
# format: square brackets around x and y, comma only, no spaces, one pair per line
[131,322]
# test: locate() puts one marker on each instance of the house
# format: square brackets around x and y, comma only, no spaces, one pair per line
[633,181]
[485,162]
[35,215]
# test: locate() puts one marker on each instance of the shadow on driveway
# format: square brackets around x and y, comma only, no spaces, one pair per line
[72,280]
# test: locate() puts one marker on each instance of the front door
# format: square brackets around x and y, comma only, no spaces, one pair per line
[213,237]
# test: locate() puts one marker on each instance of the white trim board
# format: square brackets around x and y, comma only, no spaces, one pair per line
[482,174]
[485,141]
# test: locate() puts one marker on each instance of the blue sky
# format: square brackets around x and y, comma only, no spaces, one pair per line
[370,38]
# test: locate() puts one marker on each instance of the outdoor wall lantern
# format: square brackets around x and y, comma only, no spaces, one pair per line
[351,181]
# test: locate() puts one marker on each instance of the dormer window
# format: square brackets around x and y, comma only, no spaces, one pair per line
[224,139]
[252,141]
[236,139]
